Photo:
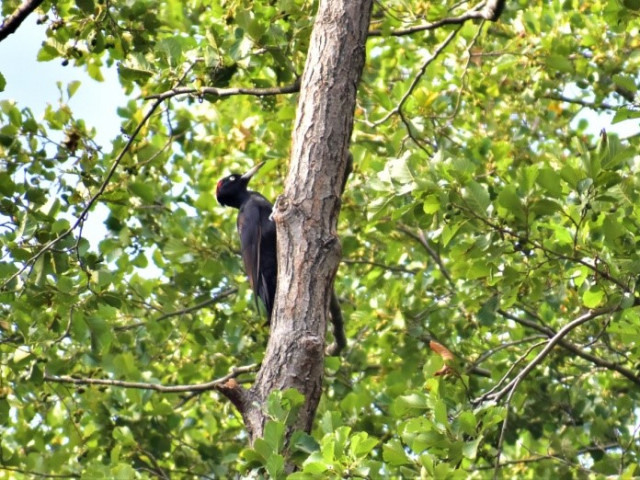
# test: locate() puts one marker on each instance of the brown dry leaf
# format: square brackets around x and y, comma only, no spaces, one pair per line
[441,350]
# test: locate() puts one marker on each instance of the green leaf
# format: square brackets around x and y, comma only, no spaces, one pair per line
[625,82]
[593,297]
[509,199]
[467,421]
[560,63]
[545,207]
[3,83]
[275,465]
[304,442]
[48,52]
[93,69]
[7,187]
[101,337]
[274,435]
[440,414]
[134,74]
[410,403]
[124,436]
[263,448]
[172,48]
[362,444]
[625,113]
[87,6]
[550,181]
[431,204]
[477,197]
[143,190]
[399,172]
[72,87]
[393,452]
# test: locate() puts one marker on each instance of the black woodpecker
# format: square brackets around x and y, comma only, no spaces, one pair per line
[258,243]
[257,233]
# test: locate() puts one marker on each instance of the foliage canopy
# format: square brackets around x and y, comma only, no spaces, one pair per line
[484,213]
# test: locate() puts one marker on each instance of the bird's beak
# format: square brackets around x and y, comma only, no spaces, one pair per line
[253,171]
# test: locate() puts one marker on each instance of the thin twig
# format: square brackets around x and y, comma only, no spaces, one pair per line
[226,92]
[504,378]
[209,301]
[502,346]
[549,332]
[547,349]
[541,458]
[422,240]
[66,330]
[417,78]
[37,474]
[391,268]
[482,11]
[198,387]
[578,101]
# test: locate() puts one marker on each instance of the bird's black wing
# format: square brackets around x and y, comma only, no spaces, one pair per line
[257,239]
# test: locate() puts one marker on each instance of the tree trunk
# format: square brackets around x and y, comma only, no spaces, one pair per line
[306,214]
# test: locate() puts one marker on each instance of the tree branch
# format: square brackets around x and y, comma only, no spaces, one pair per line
[218,384]
[546,350]
[573,348]
[417,78]
[12,22]
[502,346]
[583,103]
[489,10]
[215,299]
[540,458]
[30,473]
[226,92]
[390,268]
[422,240]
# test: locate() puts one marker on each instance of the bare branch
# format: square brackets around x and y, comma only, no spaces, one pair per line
[217,384]
[417,78]
[422,240]
[30,473]
[583,103]
[541,458]
[503,346]
[215,299]
[504,378]
[489,10]
[226,92]
[550,333]
[391,268]
[13,21]
[511,386]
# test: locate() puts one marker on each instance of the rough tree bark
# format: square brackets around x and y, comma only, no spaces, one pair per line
[306,214]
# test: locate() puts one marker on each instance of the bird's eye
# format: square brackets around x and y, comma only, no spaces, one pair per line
[232,178]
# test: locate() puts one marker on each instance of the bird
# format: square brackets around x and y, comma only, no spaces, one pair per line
[257,232]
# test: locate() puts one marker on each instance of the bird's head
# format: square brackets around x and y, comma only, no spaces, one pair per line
[231,190]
